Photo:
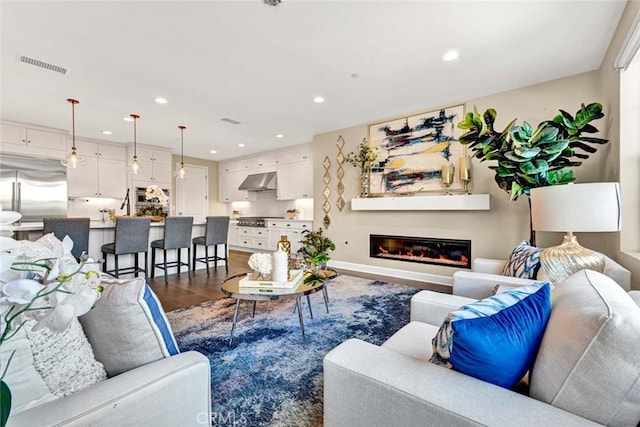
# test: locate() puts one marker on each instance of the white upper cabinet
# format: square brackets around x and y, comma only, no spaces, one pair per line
[105,171]
[294,167]
[32,141]
[155,166]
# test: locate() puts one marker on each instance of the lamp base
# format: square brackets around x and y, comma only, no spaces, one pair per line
[560,262]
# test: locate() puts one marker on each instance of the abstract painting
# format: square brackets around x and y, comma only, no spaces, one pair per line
[411,151]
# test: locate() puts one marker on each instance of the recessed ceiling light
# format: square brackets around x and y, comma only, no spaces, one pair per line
[213,152]
[160,100]
[127,119]
[241,145]
[106,132]
[318,100]
[279,135]
[450,55]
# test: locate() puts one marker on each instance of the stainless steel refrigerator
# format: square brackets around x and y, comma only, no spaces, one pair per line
[37,188]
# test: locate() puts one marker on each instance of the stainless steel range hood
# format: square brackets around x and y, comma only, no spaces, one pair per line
[259,182]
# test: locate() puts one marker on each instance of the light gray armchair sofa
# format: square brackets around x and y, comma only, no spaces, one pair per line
[586,372]
[169,392]
[486,273]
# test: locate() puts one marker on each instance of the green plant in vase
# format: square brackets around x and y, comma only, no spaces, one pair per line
[363,158]
[315,249]
[530,158]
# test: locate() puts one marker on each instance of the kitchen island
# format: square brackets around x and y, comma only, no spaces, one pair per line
[104,232]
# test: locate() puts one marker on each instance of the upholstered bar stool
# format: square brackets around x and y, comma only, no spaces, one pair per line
[177,235]
[76,228]
[132,237]
[216,233]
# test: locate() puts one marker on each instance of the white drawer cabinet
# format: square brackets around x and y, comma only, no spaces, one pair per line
[292,229]
[253,237]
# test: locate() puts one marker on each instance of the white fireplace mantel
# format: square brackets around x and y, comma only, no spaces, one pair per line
[453,202]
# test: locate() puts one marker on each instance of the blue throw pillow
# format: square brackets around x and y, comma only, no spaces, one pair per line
[524,261]
[495,339]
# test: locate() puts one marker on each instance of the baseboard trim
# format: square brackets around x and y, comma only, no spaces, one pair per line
[392,273]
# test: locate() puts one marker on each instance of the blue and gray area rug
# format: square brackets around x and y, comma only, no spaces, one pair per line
[267,377]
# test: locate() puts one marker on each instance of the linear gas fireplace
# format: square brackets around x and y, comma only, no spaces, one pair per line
[447,252]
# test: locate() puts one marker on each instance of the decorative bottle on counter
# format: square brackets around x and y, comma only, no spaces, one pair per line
[284,245]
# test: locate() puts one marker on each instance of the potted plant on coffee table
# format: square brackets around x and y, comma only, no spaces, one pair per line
[315,249]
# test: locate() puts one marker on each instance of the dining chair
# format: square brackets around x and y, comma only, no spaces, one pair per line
[177,235]
[216,233]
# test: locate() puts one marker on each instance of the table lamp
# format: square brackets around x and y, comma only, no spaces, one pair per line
[593,207]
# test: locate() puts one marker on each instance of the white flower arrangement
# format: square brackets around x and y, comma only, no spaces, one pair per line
[156,194]
[261,263]
[52,290]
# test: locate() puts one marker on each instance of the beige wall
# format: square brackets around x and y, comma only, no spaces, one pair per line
[215,207]
[623,164]
[493,233]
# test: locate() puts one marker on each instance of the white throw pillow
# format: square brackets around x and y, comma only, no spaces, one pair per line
[48,365]
[128,327]
[65,361]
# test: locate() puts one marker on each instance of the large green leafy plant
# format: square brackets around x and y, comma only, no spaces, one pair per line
[530,158]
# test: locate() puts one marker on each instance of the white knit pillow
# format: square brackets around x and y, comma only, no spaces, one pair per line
[65,361]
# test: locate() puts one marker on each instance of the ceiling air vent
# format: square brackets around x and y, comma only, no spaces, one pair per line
[42,64]
[228,120]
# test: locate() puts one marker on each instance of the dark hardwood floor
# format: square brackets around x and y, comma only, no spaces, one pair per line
[182,292]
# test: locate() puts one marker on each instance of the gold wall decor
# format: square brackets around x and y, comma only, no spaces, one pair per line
[340,203]
[326,193]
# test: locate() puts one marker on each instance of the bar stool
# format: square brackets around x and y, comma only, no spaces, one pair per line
[216,232]
[76,228]
[132,237]
[177,235]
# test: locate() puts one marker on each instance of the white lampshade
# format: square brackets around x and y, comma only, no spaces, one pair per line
[593,207]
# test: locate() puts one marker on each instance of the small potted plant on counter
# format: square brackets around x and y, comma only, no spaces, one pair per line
[315,249]
[292,213]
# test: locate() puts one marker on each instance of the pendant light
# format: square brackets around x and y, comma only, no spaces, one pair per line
[73,161]
[182,172]
[135,166]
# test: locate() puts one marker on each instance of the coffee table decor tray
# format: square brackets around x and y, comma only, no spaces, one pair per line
[295,277]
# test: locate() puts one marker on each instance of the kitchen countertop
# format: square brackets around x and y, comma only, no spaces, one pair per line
[35,226]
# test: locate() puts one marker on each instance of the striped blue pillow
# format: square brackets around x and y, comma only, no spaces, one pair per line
[128,327]
[495,339]
[524,261]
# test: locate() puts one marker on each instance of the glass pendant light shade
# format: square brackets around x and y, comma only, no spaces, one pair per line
[135,165]
[73,161]
[182,172]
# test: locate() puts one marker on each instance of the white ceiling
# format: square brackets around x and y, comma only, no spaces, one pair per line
[262,65]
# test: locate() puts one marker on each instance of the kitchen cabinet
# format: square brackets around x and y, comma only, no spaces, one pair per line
[293,165]
[105,172]
[31,141]
[228,184]
[155,166]
[292,229]
[233,238]
[295,180]
[301,153]
[253,238]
